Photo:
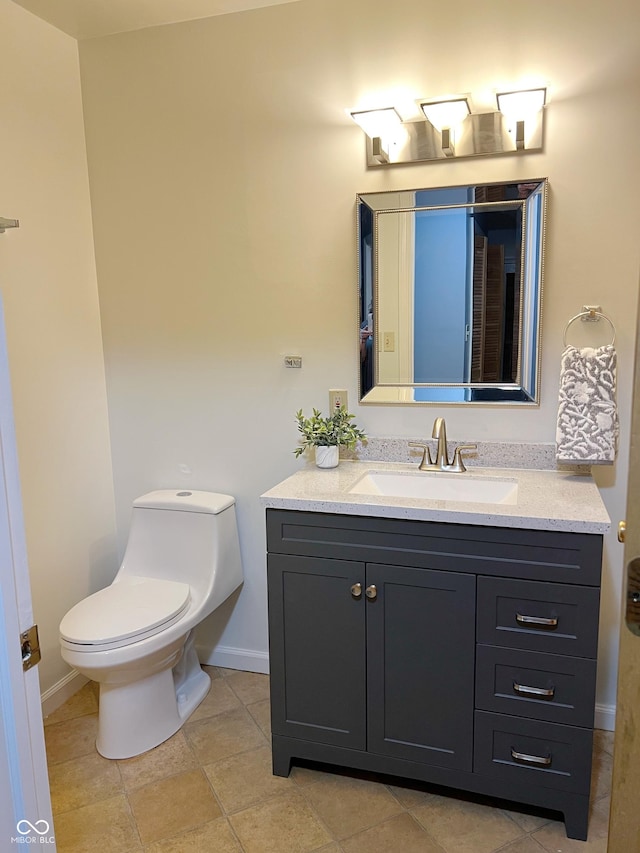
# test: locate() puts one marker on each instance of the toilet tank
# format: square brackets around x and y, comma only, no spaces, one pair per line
[188,536]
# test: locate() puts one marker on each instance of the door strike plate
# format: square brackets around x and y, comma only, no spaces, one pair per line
[30,646]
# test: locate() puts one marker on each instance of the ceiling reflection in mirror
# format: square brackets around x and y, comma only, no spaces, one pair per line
[450,288]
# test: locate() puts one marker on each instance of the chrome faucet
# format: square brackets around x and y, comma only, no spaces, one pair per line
[441,462]
[440,434]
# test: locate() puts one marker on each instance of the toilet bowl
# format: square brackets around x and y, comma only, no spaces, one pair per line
[136,636]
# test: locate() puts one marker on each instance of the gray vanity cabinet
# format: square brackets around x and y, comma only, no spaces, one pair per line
[348,632]
[455,654]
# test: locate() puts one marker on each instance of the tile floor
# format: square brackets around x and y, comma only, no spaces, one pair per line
[209,789]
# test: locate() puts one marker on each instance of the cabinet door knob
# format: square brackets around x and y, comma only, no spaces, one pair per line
[371,592]
[356,590]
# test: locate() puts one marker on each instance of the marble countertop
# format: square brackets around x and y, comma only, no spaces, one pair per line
[546,500]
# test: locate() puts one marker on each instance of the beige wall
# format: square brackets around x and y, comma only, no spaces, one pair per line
[48,284]
[223,173]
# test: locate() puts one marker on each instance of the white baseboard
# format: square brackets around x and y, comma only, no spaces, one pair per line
[230,657]
[605,717]
[247,660]
[61,691]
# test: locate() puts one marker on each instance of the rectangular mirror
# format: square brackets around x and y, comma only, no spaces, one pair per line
[450,289]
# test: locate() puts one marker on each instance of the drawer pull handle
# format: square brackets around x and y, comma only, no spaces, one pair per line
[538,621]
[538,760]
[371,592]
[540,692]
[356,590]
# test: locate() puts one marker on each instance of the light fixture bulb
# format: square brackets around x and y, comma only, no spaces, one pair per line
[378,123]
[443,114]
[520,105]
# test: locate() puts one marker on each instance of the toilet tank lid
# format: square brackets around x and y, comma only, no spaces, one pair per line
[185,500]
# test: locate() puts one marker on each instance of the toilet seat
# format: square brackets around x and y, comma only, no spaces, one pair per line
[129,610]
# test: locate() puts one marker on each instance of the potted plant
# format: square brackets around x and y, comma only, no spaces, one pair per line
[327,435]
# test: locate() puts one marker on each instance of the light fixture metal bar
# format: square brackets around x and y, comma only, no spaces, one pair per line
[378,151]
[479,134]
[421,142]
[447,142]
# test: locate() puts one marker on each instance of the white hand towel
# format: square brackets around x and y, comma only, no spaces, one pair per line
[587,430]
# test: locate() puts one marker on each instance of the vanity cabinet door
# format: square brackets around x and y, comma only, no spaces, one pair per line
[317,649]
[421,660]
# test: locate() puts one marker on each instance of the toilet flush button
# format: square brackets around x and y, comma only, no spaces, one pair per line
[184,494]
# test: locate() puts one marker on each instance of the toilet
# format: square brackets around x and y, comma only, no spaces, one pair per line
[136,636]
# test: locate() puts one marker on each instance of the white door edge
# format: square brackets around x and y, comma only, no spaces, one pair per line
[24,785]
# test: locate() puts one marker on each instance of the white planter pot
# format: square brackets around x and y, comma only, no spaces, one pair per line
[327,457]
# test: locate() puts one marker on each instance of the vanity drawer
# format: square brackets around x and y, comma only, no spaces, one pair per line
[547,754]
[546,555]
[555,688]
[546,617]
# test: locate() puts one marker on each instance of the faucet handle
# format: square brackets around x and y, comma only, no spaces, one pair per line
[426,454]
[458,465]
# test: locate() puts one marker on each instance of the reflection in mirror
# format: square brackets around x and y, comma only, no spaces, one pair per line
[450,286]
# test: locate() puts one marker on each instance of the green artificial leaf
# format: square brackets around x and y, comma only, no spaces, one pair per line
[335,429]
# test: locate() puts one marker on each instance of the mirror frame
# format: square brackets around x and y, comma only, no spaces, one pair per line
[526,389]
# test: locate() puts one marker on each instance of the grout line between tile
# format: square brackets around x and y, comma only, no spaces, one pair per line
[133,820]
[318,816]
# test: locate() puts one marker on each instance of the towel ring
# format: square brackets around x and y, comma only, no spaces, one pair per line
[592,315]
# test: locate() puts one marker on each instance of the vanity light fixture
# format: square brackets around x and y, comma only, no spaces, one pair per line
[381,127]
[377,122]
[451,130]
[519,108]
[447,117]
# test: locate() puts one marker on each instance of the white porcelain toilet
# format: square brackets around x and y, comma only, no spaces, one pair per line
[136,636]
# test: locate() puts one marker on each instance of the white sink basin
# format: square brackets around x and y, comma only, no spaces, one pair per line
[437,486]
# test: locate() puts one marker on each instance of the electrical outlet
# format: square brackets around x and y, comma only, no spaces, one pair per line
[337,399]
[389,342]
